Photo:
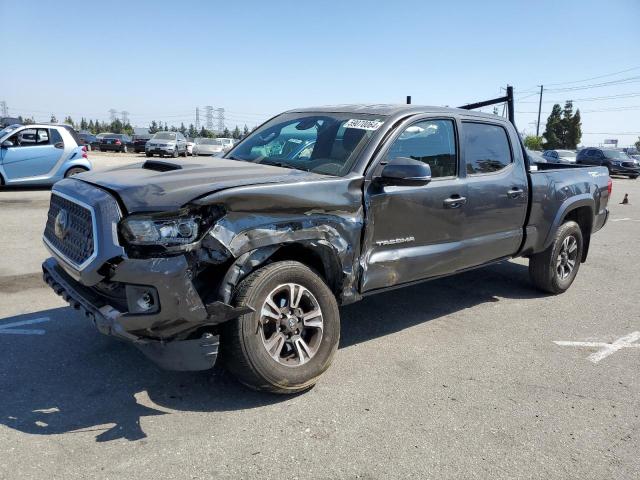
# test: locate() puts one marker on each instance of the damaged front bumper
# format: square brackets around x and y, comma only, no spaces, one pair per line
[175,332]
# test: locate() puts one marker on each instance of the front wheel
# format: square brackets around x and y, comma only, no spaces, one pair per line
[292,335]
[124,149]
[633,177]
[555,269]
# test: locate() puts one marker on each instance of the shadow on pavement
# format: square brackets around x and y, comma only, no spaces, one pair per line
[74,379]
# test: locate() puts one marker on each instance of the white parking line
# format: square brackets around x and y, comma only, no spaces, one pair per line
[7,328]
[606,349]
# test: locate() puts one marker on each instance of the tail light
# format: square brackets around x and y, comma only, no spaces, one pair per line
[84,149]
[84,154]
[117,142]
[610,186]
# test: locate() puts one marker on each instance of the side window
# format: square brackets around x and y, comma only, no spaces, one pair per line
[486,147]
[43,136]
[430,141]
[56,138]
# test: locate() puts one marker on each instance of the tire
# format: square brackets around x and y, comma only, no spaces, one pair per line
[74,171]
[633,177]
[124,149]
[546,269]
[149,154]
[244,340]
[102,149]
[175,153]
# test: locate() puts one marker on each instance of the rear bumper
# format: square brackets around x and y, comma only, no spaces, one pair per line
[165,336]
[160,151]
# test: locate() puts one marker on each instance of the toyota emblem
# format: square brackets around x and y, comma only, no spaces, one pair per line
[62,224]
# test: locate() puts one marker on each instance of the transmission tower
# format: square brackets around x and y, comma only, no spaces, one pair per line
[125,117]
[220,112]
[209,116]
[112,114]
[4,109]
[197,119]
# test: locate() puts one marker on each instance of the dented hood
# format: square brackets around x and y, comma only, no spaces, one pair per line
[150,189]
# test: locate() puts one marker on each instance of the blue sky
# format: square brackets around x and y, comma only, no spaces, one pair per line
[161,59]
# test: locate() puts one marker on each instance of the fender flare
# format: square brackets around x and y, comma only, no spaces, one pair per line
[570,204]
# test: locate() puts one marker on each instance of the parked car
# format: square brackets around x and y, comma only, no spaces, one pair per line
[88,140]
[254,252]
[6,121]
[140,142]
[40,154]
[167,143]
[207,146]
[227,143]
[190,143]
[115,142]
[560,156]
[616,161]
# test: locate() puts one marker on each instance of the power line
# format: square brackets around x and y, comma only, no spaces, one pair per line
[594,78]
[624,81]
[593,99]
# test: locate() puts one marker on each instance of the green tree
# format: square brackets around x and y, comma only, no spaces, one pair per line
[69,121]
[203,132]
[182,129]
[245,130]
[166,127]
[83,124]
[153,127]
[236,133]
[638,144]
[192,131]
[553,132]
[53,119]
[226,133]
[532,142]
[573,129]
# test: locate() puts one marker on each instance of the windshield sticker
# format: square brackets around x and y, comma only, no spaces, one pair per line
[363,124]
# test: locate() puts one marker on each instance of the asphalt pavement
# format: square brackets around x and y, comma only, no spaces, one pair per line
[456,378]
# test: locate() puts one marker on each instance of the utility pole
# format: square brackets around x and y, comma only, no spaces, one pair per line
[197,119]
[209,116]
[125,117]
[4,108]
[539,110]
[112,114]
[408,99]
[221,125]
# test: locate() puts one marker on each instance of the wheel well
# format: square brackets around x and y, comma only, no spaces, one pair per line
[76,166]
[583,216]
[317,257]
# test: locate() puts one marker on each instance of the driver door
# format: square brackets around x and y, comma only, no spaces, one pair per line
[414,232]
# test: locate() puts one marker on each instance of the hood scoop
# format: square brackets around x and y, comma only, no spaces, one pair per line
[158,166]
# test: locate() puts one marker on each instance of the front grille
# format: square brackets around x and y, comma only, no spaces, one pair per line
[73,239]
[629,164]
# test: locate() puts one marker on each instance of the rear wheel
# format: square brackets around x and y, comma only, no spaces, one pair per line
[149,154]
[184,154]
[124,149]
[292,335]
[175,153]
[74,171]
[633,177]
[555,269]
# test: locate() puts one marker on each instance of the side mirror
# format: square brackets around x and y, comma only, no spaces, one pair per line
[7,144]
[406,171]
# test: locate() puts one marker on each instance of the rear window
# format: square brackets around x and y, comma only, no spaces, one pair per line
[486,148]
[73,134]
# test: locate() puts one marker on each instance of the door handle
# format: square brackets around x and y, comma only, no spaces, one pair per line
[454,201]
[58,145]
[515,192]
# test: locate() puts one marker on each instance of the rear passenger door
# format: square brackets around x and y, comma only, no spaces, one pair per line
[497,191]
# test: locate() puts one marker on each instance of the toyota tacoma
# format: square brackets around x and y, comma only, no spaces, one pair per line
[249,256]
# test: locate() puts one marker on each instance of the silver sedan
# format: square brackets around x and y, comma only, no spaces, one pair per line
[208,146]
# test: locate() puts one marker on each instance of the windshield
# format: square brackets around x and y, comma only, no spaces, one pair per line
[326,143]
[617,154]
[566,153]
[208,141]
[8,129]
[164,136]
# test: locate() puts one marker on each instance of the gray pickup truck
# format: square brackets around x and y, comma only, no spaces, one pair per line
[317,208]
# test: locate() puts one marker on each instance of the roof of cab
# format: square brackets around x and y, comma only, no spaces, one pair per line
[392,110]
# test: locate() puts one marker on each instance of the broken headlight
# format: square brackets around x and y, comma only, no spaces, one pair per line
[168,230]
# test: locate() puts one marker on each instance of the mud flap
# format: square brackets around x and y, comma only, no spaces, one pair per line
[183,355]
